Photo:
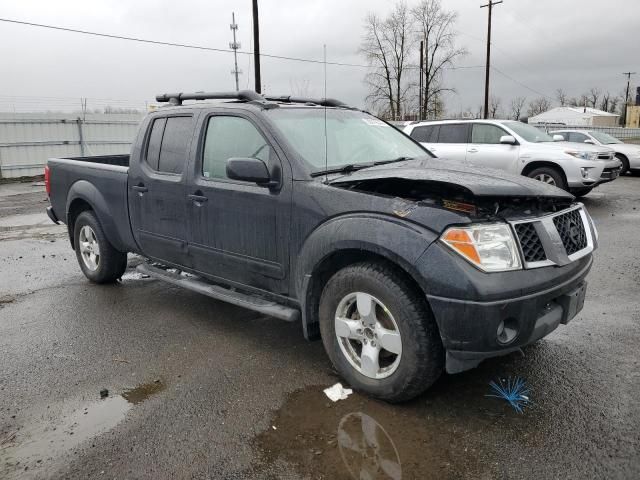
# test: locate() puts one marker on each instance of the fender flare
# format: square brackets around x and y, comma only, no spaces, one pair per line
[394,239]
[84,190]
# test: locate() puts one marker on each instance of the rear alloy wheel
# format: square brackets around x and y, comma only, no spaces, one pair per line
[379,332]
[548,175]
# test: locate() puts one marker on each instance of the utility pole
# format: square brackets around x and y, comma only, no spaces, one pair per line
[235,45]
[491,4]
[256,47]
[421,80]
[626,98]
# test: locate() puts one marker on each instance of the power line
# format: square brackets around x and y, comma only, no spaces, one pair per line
[201,47]
[521,84]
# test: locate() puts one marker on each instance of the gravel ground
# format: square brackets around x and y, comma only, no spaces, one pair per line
[201,389]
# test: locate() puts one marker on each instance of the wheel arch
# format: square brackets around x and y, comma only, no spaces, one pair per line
[339,244]
[531,166]
[84,196]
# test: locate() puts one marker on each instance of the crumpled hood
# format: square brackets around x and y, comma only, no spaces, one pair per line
[485,182]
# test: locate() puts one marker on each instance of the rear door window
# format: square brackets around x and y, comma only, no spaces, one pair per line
[155,140]
[425,133]
[175,144]
[453,133]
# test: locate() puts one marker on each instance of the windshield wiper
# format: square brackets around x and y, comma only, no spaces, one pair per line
[393,160]
[352,167]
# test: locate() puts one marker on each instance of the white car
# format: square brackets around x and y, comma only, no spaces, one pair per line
[519,148]
[627,153]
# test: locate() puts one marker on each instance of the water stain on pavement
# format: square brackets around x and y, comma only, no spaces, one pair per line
[441,435]
[43,442]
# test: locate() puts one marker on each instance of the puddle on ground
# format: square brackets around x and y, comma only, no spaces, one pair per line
[441,435]
[37,444]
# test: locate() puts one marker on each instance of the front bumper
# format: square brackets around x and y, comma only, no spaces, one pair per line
[595,172]
[469,328]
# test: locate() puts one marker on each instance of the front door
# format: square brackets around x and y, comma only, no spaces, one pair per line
[239,230]
[486,151]
[157,190]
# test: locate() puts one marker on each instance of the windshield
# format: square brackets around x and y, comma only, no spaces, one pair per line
[604,138]
[353,138]
[528,133]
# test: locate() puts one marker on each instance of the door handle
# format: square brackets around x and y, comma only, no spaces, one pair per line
[473,150]
[140,188]
[197,198]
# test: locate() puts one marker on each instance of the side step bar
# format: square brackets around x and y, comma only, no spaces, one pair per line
[196,284]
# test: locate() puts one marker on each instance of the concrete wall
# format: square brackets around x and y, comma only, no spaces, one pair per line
[28,140]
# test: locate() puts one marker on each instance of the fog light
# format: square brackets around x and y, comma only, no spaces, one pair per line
[507,331]
[585,171]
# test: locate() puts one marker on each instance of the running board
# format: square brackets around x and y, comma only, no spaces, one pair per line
[196,284]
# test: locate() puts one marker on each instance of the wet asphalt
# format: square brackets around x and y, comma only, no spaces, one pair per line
[194,388]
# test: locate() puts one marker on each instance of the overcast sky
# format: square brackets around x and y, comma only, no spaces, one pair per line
[541,44]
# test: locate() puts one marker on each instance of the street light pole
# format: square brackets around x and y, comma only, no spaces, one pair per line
[256,47]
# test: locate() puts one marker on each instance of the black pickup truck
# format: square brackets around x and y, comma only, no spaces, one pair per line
[315,212]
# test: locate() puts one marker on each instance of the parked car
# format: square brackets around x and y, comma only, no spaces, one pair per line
[310,211]
[519,148]
[627,153]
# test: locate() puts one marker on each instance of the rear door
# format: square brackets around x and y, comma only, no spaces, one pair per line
[452,141]
[427,135]
[486,151]
[239,230]
[157,191]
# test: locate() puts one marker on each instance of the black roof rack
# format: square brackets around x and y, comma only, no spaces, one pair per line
[178,98]
[247,96]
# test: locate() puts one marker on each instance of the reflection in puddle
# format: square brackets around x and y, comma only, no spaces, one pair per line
[367,449]
[39,442]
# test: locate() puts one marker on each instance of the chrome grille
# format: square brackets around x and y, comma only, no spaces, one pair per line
[532,249]
[571,230]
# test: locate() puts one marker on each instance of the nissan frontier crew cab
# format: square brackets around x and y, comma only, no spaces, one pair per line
[314,212]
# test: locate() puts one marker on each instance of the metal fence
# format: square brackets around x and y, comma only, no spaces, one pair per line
[618,132]
[27,141]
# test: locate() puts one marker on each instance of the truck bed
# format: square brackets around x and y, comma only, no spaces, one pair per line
[100,181]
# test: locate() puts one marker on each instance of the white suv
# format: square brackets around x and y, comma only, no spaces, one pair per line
[519,148]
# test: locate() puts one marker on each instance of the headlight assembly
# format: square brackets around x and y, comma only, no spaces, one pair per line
[490,247]
[582,155]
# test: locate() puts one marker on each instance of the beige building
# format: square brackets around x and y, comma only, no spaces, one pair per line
[633,116]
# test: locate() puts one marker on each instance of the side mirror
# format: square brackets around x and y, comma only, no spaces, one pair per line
[508,140]
[558,138]
[589,141]
[249,170]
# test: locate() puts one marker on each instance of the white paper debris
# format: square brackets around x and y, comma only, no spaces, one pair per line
[337,392]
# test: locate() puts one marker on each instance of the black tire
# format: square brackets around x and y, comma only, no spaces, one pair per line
[625,163]
[635,172]
[580,192]
[422,359]
[555,173]
[111,263]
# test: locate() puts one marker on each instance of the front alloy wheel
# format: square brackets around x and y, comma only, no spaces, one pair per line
[368,335]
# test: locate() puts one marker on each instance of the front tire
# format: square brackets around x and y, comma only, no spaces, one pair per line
[379,332]
[550,176]
[625,163]
[99,261]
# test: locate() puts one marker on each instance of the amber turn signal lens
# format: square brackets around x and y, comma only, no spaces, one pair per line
[460,241]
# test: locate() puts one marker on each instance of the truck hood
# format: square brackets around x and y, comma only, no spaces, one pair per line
[481,183]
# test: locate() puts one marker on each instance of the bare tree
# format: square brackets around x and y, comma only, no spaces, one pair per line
[494,106]
[517,104]
[562,97]
[593,96]
[538,106]
[386,45]
[436,28]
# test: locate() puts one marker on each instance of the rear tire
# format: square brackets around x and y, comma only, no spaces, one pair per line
[625,163]
[99,261]
[635,172]
[550,176]
[403,322]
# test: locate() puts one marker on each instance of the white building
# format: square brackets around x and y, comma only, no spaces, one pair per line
[583,116]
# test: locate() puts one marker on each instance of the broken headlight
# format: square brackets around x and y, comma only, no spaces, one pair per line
[490,247]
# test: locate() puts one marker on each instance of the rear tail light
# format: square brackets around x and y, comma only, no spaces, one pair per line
[47,180]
